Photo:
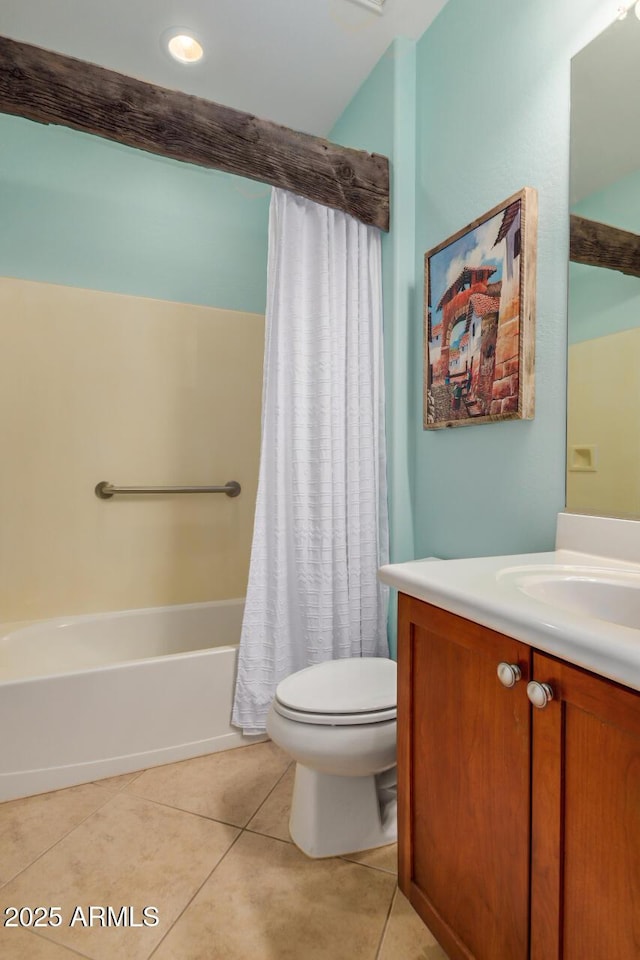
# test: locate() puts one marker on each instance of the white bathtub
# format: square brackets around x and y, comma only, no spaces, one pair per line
[94,696]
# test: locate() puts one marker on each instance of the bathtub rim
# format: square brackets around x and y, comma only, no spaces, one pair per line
[59,622]
[184,700]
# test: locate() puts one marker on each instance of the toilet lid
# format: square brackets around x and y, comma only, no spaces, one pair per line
[354,686]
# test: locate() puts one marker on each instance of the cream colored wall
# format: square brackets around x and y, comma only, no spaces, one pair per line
[99,386]
[603,405]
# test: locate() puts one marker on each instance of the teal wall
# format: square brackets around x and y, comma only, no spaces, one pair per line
[82,211]
[606,301]
[381,119]
[491,116]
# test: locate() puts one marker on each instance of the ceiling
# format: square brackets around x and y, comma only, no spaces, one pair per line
[296,62]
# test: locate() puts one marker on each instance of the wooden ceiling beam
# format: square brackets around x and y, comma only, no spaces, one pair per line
[600,245]
[52,88]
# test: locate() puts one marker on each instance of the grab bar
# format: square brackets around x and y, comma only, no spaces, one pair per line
[105,490]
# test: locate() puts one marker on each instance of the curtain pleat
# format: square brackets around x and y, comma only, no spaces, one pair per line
[321,526]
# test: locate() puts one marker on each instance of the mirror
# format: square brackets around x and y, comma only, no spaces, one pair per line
[603,416]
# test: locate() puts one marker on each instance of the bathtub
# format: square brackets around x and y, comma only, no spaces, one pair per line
[87,697]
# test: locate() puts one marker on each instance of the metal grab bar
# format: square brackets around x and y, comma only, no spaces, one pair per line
[105,490]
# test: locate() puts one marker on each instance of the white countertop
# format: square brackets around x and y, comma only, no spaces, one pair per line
[482,589]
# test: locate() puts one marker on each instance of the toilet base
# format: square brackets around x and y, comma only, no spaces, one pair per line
[332,815]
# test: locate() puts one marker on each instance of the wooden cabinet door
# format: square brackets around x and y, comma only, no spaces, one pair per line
[464,783]
[586,818]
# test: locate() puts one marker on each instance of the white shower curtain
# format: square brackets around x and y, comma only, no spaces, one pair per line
[321,527]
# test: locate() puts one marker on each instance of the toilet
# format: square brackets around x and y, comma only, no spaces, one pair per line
[337,720]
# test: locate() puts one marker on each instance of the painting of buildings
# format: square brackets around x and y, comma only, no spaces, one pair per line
[479,296]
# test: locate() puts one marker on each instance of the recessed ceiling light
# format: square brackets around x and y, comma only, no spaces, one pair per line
[183,46]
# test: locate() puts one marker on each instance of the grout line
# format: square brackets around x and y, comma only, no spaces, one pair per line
[162,803]
[136,775]
[386,923]
[117,793]
[261,805]
[64,835]
[289,843]
[62,946]
[241,831]
[124,790]
[267,836]
[189,813]
[196,892]
[371,866]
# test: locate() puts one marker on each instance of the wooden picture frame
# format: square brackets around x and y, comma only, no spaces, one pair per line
[479,319]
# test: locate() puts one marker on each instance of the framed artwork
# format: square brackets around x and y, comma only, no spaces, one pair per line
[479,319]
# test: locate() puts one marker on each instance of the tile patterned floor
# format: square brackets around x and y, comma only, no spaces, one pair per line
[206,842]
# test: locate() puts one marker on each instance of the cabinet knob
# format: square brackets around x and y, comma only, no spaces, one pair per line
[539,694]
[509,674]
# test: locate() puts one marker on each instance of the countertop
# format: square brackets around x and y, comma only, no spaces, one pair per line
[482,589]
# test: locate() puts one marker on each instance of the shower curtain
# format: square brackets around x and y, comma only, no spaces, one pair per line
[321,526]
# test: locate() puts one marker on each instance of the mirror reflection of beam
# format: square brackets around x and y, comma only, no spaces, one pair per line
[600,245]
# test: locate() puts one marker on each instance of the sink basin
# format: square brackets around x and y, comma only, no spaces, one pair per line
[610,595]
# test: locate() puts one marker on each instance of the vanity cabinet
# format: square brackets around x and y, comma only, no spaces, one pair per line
[519,827]
[585,863]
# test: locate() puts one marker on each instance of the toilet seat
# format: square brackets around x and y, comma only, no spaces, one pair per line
[349,692]
[334,719]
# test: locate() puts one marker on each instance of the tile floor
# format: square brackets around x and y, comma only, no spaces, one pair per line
[206,843]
